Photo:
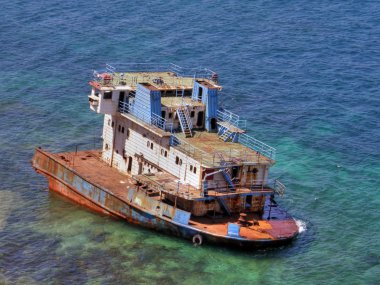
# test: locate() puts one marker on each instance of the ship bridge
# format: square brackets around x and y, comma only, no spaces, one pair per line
[166,119]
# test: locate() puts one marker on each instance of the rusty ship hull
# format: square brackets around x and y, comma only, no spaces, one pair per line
[76,176]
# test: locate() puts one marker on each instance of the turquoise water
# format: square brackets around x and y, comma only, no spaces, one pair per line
[305,74]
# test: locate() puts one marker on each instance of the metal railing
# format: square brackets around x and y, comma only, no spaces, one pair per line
[147,117]
[224,115]
[254,186]
[257,145]
[249,141]
[158,121]
[215,159]
[216,187]
[196,72]
[279,187]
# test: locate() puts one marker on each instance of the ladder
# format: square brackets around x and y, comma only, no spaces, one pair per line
[227,135]
[226,172]
[223,205]
[185,121]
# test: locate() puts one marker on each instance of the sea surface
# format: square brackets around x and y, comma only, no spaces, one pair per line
[306,74]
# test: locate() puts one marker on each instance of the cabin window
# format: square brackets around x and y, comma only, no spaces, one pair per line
[127,133]
[121,96]
[129,164]
[163,114]
[113,124]
[192,114]
[151,146]
[106,146]
[177,160]
[166,154]
[200,93]
[195,170]
[248,201]
[170,115]
[117,151]
[235,171]
[107,95]
[200,119]
[191,168]
[255,170]
[122,130]
[213,124]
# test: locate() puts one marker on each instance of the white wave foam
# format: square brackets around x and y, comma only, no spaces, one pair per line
[301,226]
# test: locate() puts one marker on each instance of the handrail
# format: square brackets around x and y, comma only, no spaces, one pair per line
[157,67]
[215,159]
[221,186]
[150,118]
[224,115]
[257,145]
[279,187]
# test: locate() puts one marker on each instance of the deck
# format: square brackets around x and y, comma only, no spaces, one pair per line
[177,102]
[87,164]
[212,151]
[167,183]
[162,80]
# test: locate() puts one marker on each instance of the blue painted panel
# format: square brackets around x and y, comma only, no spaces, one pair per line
[181,217]
[77,183]
[142,106]
[233,230]
[195,93]
[155,99]
[142,217]
[102,198]
[211,101]
[147,102]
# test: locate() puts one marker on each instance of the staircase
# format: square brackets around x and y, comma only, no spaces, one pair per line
[227,135]
[226,172]
[185,121]
[227,175]
[223,205]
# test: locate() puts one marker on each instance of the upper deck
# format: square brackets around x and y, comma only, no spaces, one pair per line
[183,104]
[162,76]
[212,151]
